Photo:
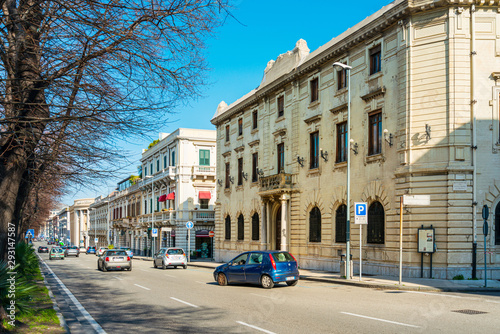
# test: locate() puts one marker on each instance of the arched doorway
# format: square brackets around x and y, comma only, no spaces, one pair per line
[277,230]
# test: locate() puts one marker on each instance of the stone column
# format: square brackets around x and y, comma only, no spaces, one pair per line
[284,222]
[77,228]
[263,227]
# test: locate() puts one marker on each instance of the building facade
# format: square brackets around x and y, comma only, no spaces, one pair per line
[64,228]
[424,94]
[78,222]
[99,221]
[178,186]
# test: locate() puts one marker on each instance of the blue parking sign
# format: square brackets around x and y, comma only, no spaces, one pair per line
[361,213]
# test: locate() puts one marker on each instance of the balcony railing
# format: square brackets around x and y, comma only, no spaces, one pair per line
[204,170]
[204,215]
[276,182]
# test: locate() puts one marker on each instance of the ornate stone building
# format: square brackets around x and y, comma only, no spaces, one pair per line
[424,93]
[78,222]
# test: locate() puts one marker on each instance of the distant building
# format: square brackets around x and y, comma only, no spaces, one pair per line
[425,101]
[78,222]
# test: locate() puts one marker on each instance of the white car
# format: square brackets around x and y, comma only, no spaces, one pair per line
[101,251]
[170,257]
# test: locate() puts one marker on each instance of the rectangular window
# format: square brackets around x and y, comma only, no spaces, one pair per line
[314,150]
[240,171]
[145,206]
[341,142]
[227,133]
[240,127]
[227,175]
[281,158]
[164,161]
[151,168]
[375,133]
[375,60]
[281,106]
[341,79]
[314,90]
[255,166]
[204,157]
[254,120]
[145,171]
[158,165]
[157,203]
[151,206]
[172,161]
[204,203]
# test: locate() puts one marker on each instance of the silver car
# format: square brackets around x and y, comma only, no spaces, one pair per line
[114,259]
[75,251]
[170,257]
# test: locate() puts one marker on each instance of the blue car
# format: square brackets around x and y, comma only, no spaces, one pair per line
[265,268]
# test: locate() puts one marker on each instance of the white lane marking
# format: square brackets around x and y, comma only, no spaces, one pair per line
[254,327]
[200,282]
[143,270]
[75,301]
[140,286]
[383,320]
[89,268]
[169,275]
[262,296]
[121,279]
[181,301]
[492,301]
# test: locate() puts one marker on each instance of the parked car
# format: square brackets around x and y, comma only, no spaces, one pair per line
[91,250]
[260,267]
[101,251]
[43,249]
[129,251]
[168,257]
[83,250]
[56,253]
[114,259]
[72,250]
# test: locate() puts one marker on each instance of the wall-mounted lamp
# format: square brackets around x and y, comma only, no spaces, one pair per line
[428,131]
[324,154]
[354,146]
[231,179]
[244,175]
[388,137]
[300,161]
[219,182]
[260,172]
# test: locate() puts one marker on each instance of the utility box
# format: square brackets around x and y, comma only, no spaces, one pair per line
[343,269]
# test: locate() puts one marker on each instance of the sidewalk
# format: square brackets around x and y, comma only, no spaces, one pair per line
[380,282]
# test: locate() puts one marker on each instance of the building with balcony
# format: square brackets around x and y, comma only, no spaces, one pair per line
[424,94]
[63,226]
[100,221]
[177,186]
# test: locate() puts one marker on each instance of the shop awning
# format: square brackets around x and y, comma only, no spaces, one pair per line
[162,198]
[204,195]
[171,195]
[202,234]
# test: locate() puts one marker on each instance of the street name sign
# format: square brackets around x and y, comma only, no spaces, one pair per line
[361,213]
[416,199]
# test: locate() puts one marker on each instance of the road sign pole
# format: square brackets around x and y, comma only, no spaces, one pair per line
[400,239]
[485,280]
[360,251]
[189,244]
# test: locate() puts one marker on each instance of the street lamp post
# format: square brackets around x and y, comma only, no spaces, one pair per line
[348,68]
[152,215]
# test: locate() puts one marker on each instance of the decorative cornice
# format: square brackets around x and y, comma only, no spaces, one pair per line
[226,154]
[315,118]
[253,143]
[279,132]
[338,109]
[376,93]
[239,148]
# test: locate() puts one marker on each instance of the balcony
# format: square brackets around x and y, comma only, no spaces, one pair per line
[276,183]
[204,216]
[203,171]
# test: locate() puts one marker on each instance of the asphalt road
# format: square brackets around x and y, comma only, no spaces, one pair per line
[149,300]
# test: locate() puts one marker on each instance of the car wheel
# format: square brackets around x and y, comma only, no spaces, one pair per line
[78,256]
[154,264]
[104,268]
[163,266]
[292,283]
[130,269]
[221,279]
[175,267]
[98,267]
[185,266]
[266,282]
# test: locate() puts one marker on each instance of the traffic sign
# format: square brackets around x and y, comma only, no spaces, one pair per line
[155,232]
[96,240]
[360,213]
[211,234]
[30,233]
[189,224]
[486,212]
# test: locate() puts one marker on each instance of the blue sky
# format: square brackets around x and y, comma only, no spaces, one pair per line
[238,54]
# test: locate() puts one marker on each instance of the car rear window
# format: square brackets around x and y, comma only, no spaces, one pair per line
[116,253]
[175,252]
[283,257]
[57,250]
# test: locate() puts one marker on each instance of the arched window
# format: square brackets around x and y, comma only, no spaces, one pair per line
[497,224]
[241,226]
[315,225]
[255,226]
[341,223]
[376,223]
[228,227]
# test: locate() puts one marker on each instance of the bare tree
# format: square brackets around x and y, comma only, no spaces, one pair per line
[78,74]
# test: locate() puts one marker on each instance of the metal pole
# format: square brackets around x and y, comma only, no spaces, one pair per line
[400,239]
[189,244]
[485,280]
[360,251]
[107,222]
[348,227]
[152,217]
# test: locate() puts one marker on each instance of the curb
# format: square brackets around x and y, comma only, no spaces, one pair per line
[380,286]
